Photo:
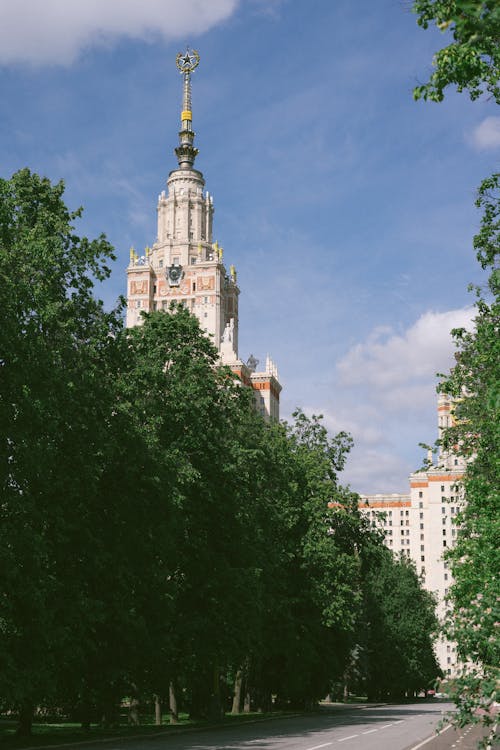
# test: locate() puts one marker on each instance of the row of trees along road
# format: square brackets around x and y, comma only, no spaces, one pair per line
[471,63]
[156,536]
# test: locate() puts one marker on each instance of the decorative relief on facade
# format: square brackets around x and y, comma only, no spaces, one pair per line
[139,286]
[206,282]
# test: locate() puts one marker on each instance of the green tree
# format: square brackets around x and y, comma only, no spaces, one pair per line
[474,382]
[52,345]
[400,625]
[472,60]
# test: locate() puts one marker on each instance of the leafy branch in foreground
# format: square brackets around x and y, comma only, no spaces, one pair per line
[472,60]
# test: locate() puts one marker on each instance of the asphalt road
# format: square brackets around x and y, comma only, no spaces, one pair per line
[397,727]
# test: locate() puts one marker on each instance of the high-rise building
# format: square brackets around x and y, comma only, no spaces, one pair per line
[420,525]
[185,265]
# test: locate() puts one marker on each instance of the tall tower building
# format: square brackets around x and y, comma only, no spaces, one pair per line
[186,266]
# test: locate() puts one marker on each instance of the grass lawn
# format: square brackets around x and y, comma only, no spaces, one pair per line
[55,733]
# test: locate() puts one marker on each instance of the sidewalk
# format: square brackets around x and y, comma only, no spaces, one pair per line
[466,738]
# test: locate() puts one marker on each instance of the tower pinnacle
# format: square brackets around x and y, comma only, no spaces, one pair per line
[185,151]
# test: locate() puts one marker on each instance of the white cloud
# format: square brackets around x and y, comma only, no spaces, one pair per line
[56,31]
[388,360]
[487,134]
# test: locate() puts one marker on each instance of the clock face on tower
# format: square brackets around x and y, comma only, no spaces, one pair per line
[174,275]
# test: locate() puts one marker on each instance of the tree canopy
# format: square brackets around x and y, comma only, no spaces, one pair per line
[157,536]
[471,61]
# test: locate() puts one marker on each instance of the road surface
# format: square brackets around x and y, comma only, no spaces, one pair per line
[395,727]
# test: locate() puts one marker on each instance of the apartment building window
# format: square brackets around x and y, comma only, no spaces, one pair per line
[444,542]
[421,537]
[422,548]
[402,532]
[154,288]
[420,494]
[443,499]
[422,559]
[446,576]
[442,488]
[402,523]
[160,264]
[407,532]
[421,515]
[444,532]
[401,513]
[421,525]
[138,303]
[444,521]
[407,512]
[443,510]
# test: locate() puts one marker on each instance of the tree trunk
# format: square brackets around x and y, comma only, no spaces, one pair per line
[247,702]
[157,710]
[133,712]
[25,719]
[238,684]
[172,698]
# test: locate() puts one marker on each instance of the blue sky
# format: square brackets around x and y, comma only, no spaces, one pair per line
[347,208]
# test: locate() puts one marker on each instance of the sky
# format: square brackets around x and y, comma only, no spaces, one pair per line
[346,207]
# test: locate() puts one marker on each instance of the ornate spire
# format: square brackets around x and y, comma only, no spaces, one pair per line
[185,151]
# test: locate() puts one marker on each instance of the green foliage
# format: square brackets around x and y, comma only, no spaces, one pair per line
[154,530]
[474,382]
[472,60]
[401,623]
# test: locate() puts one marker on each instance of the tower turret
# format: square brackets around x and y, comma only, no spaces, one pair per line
[185,151]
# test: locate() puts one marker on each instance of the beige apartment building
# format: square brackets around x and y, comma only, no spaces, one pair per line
[420,524]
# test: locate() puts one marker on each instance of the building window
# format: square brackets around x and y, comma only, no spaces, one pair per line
[443,499]
[444,532]
[421,537]
[444,521]
[160,264]
[154,288]
[421,515]
[205,300]
[442,489]
[192,260]
[422,548]
[407,532]
[421,525]
[194,286]
[420,494]
[205,315]
[443,510]
[402,523]
[420,505]
[456,462]
[402,532]
[446,576]
[407,513]
[444,542]
[176,261]
[138,303]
